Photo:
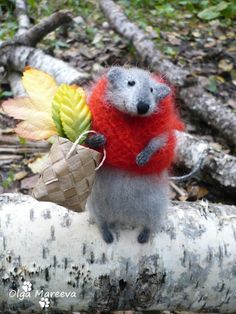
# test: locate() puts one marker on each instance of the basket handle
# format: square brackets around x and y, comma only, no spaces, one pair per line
[77,142]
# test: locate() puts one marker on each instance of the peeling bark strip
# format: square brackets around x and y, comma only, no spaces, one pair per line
[18,57]
[188,266]
[210,110]
[143,45]
[206,106]
[36,33]
[220,167]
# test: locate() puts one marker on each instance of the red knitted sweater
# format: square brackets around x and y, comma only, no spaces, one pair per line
[128,135]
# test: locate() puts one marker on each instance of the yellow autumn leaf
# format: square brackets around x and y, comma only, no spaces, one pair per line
[40,87]
[36,125]
[35,110]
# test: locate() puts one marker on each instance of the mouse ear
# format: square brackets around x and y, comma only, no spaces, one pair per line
[162,90]
[114,75]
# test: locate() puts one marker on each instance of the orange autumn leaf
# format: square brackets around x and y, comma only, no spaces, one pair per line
[33,131]
[35,110]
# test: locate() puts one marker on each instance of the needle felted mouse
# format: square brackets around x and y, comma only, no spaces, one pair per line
[134,113]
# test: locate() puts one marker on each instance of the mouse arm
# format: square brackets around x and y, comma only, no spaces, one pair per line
[96,140]
[153,146]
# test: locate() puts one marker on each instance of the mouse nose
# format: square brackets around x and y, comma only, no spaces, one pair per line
[142,107]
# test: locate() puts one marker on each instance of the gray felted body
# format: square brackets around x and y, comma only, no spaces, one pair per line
[124,199]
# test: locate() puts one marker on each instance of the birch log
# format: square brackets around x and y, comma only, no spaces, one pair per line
[219,167]
[30,37]
[216,166]
[189,265]
[36,33]
[211,110]
[196,99]
[21,13]
[145,47]
[18,57]
[14,77]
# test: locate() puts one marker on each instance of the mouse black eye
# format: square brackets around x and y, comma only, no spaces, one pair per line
[151,89]
[131,83]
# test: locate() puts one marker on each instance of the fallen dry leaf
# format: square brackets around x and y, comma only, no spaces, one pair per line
[225,65]
[20,175]
[37,164]
[29,183]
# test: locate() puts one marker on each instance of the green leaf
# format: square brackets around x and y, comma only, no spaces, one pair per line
[221,6]
[56,104]
[212,85]
[75,116]
[230,11]
[208,14]
[213,12]
[7,182]
[4,94]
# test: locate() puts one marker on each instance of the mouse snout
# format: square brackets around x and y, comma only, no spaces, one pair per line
[142,107]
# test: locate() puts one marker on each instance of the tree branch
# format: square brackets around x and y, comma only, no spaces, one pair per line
[145,47]
[190,265]
[18,57]
[207,107]
[22,16]
[14,79]
[217,166]
[36,33]
[14,140]
[211,110]
[220,167]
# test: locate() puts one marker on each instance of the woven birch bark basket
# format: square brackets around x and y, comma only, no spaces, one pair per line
[67,176]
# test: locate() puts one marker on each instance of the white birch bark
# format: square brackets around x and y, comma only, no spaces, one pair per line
[21,56]
[21,13]
[216,166]
[14,79]
[211,110]
[189,265]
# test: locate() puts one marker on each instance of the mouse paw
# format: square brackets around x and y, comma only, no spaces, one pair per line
[96,140]
[142,159]
[106,234]
[144,235]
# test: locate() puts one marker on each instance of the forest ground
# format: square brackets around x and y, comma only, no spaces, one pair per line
[199,35]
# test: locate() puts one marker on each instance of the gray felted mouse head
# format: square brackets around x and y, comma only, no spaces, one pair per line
[134,91]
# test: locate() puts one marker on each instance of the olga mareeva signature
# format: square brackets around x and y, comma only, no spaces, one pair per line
[27,292]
